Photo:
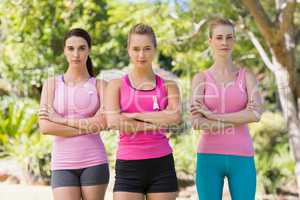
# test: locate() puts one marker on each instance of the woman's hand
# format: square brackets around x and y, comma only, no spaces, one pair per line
[199,108]
[252,106]
[130,115]
[48,113]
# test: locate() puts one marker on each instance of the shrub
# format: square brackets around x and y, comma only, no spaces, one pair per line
[20,139]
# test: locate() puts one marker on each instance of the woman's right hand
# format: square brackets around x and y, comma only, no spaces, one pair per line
[199,108]
[48,113]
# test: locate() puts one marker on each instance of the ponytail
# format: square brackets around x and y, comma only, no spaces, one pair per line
[89,66]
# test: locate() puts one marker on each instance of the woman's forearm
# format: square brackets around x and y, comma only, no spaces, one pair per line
[241,117]
[128,125]
[50,128]
[201,123]
[162,118]
[92,124]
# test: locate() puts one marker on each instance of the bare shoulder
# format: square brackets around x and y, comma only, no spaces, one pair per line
[50,80]
[114,83]
[171,86]
[49,84]
[171,83]
[101,83]
[250,76]
[198,78]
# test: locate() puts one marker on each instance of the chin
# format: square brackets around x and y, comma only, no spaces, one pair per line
[224,54]
[139,65]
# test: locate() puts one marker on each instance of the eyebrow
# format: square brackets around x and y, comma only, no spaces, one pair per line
[143,47]
[79,46]
[230,34]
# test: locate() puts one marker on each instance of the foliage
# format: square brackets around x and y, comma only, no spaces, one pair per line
[274,162]
[184,150]
[20,139]
[110,140]
[31,51]
[31,38]
[31,48]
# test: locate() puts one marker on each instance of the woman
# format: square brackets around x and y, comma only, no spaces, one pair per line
[140,105]
[224,99]
[71,110]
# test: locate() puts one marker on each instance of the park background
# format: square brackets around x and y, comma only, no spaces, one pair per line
[31,50]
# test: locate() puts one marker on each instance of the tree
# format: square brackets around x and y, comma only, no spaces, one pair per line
[31,38]
[281,35]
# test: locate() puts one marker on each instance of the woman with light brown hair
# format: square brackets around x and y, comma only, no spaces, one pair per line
[225,99]
[140,105]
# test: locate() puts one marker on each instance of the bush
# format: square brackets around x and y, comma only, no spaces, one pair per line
[110,140]
[274,162]
[20,139]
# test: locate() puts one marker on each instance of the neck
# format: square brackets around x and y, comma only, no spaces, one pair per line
[223,64]
[142,73]
[77,73]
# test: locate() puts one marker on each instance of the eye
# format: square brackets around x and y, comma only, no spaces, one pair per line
[82,48]
[229,37]
[136,49]
[148,48]
[219,38]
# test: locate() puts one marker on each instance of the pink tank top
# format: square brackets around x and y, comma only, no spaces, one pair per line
[79,151]
[143,144]
[226,99]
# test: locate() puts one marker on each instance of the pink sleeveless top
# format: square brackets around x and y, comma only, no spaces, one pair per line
[226,99]
[79,151]
[143,144]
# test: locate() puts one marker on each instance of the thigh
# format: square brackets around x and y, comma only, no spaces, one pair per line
[162,196]
[128,196]
[162,176]
[242,178]
[67,193]
[129,177]
[95,192]
[210,174]
[95,175]
[65,178]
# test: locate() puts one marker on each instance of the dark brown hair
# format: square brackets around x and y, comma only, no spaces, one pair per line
[79,32]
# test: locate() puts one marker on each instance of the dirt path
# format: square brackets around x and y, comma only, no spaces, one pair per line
[25,192]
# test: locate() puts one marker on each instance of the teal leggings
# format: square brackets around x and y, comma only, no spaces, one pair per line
[213,168]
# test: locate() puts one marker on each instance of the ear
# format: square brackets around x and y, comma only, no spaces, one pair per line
[128,51]
[64,51]
[209,40]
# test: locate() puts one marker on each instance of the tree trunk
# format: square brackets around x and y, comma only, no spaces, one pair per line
[289,109]
[280,36]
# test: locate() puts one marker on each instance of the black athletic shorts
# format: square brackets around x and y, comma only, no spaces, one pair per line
[146,176]
[95,175]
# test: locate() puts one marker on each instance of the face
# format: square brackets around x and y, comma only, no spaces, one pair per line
[141,50]
[76,51]
[222,40]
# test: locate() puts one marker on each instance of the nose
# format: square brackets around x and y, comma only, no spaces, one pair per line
[141,54]
[76,53]
[224,41]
